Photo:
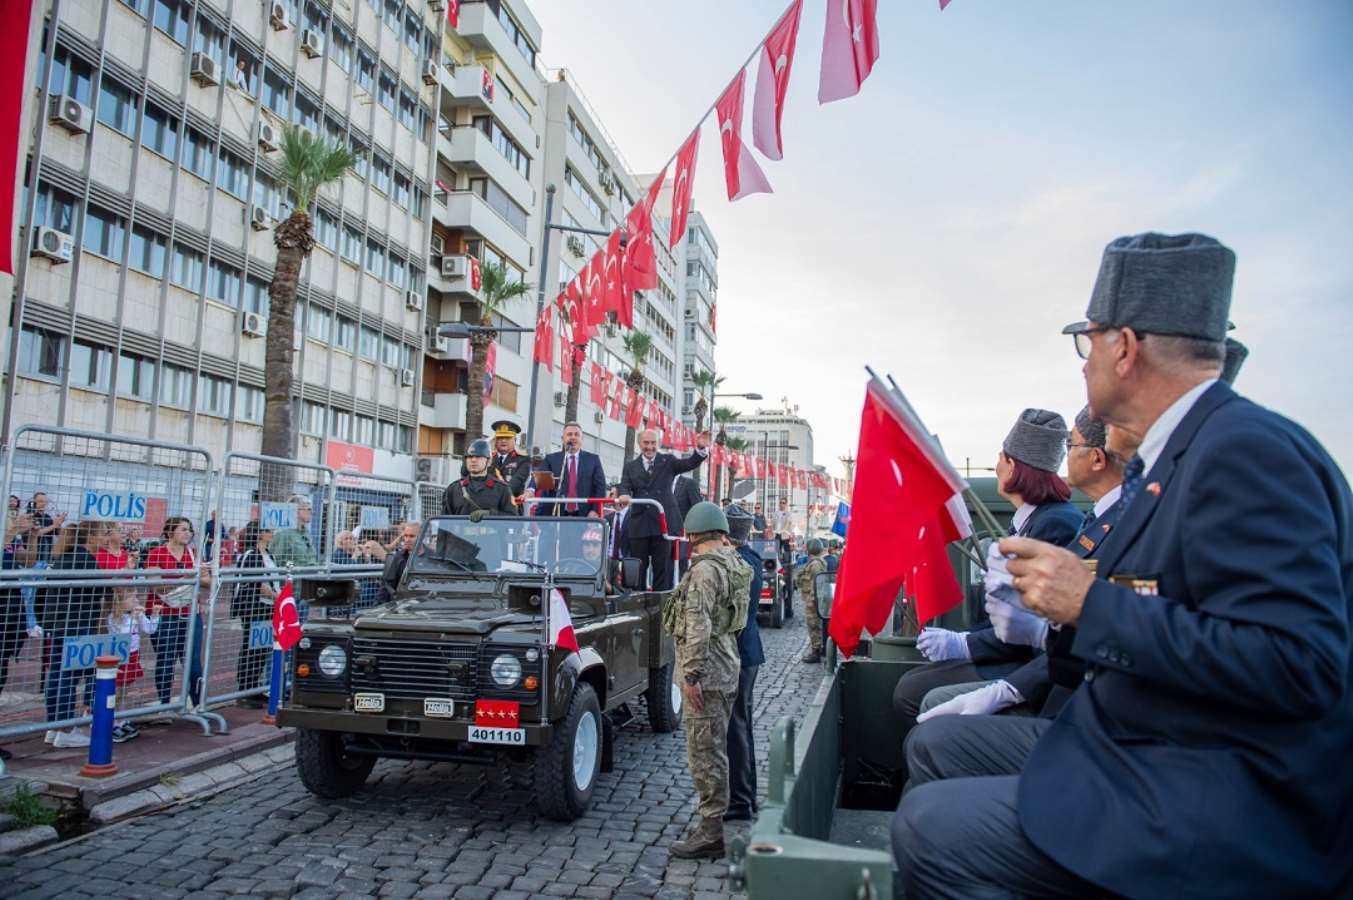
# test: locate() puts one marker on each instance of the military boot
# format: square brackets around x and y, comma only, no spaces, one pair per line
[811,656]
[705,840]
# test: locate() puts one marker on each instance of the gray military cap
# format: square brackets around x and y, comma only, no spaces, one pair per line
[1038,439]
[1163,284]
[1236,352]
[739,523]
[1092,429]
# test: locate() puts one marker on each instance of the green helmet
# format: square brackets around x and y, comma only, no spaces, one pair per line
[816,547]
[479,448]
[705,516]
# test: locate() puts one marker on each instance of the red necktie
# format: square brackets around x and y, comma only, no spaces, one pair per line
[572,482]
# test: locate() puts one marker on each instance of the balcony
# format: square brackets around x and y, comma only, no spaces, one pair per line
[446,411]
[466,211]
[465,88]
[469,148]
[450,275]
[449,349]
[480,26]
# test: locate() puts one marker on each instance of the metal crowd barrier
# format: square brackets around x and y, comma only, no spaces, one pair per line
[94,497]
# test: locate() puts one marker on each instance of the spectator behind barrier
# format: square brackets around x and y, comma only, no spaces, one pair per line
[252,603]
[66,613]
[172,635]
[124,614]
[292,546]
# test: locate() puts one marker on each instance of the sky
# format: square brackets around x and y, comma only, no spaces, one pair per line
[944,224]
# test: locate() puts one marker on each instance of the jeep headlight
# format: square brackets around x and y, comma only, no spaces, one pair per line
[506,670]
[333,660]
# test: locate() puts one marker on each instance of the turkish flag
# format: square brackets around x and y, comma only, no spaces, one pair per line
[714,315]
[617,297]
[741,173]
[640,265]
[681,189]
[453,13]
[617,399]
[487,82]
[903,492]
[634,408]
[14,87]
[543,351]
[561,623]
[577,312]
[286,618]
[476,275]
[595,292]
[490,369]
[850,46]
[930,583]
[772,82]
[566,353]
[598,385]
[943,4]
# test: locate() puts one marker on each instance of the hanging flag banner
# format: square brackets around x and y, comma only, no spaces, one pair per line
[850,47]
[453,13]
[683,186]
[772,83]
[741,173]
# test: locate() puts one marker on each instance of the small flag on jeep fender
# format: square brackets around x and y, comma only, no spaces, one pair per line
[561,623]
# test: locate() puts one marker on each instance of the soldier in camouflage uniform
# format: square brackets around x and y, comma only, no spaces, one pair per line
[704,615]
[807,584]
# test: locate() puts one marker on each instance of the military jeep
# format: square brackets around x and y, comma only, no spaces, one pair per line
[459,667]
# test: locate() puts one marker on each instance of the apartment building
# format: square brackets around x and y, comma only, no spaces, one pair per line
[784,438]
[155,188]
[700,316]
[486,210]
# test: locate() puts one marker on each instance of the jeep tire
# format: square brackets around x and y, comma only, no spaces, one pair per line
[566,768]
[325,769]
[777,609]
[663,699]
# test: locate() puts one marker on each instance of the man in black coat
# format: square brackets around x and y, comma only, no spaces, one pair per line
[741,739]
[577,473]
[649,477]
[397,561]
[687,494]
[1206,752]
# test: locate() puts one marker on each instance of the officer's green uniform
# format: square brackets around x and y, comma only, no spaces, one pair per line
[704,615]
[463,497]
[807,583]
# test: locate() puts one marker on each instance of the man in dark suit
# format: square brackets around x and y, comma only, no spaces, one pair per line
[1206,753]
[649,476]
[687,494]
[577,474]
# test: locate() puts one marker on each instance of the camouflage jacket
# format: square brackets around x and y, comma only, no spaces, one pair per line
[709,610]
[806,579]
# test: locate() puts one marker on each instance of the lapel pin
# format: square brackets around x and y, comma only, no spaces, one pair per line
[1153,489]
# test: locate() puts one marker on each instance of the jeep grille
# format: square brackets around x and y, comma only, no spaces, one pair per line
[415,669]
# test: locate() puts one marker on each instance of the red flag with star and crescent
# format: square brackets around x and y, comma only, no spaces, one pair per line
[561,623]
[286,618]
[850,47]
[640,264]
[772,83]
[683,186]
[741,173]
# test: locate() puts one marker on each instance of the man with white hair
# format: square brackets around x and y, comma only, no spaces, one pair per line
[649,476]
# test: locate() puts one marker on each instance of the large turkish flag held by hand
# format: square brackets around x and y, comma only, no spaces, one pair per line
[899,498]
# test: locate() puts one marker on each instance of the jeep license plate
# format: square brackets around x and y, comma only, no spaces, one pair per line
[368,703]
[480,734]
[434,707]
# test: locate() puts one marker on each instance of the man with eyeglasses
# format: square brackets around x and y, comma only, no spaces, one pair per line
[1206,752]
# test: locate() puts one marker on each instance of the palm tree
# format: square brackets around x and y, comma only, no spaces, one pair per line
[723,415]
[705,383]
[309,164]
[575,387]
[739,444]
[639,344]
[496,290]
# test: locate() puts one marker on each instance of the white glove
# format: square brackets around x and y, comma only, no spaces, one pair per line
[1016,626]
[36,632]
[999,583]
[938,644]
[984,701]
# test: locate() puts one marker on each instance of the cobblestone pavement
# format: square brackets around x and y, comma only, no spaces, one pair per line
[425,829]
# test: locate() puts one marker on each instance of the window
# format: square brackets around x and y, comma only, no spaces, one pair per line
[345,336]
[223,282]
[375,258]
[402,190]
[248,404]
[420,199]
[396,272]
[361,156]
[140,7]
[117,108]
[41,353]
[366,69]
[510,340]
[504,144]
[387,435]
[352,244]
[318,323]
[232,176]
[584,140]
[380,174]
[276,93]
[405,439]
[516,35]
[209,39]
[340,425]
[171,17]
[55,209]
[413,30]
[242,68]
[105,233]
[340,48]
[315,19]
[371,341]
[583,194]
[213,396]
[71,76]
[306,112]
[501,203]
[197,154]
[393,8]
[408,110]
[326,230]
[176,386]
[267,196]
[136,377]
[312,418]
[186,269]
[385,90]
[147,252]
[390,355]
[504,394]
[160,132]
[256,296]
[365,432]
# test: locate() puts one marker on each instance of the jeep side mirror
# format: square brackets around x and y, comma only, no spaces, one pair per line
[632,574]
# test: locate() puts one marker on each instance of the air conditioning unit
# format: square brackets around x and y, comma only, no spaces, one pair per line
[70,114]
[430,72]
[253,325]
[435,5]
[413,300]
[312,43]
[606,182]
[598,417]
[690,314]
[278,16]
[575,245]
[433,469]
[437,244]
[267,135]
[454,266]
[406,377]
[259,220]
[54,245]
[559,398]
[203,70]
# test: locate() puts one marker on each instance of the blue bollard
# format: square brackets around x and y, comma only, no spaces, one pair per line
[278,682]
[100,764]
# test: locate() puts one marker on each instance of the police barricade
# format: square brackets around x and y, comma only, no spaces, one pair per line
[270,529]
[103,557]
[366,518]
[429,499]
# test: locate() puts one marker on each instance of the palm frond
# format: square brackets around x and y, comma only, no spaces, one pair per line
[639,344]
[496,289]
[725,414]
[310,163]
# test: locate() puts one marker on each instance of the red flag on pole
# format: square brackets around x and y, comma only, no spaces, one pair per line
[577,312]
[741,173]
[566,353]
[619,299]
[598,386]
[543,351]
[453,13]
[641,262]
[904,489]
[684,184]
[595,291]
[617,399]
[490,369]
[634,408]
[850,46]
[286,618]
[772,82]
[476,274]
[561,623]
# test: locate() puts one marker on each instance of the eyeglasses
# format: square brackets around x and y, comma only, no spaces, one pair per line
[1083,343]
[1072,445]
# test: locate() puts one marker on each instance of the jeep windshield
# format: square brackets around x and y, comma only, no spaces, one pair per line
[565,548]
[765,549]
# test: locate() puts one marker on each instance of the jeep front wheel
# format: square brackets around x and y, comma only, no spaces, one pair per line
[663,698]
[325,769]
[566,768]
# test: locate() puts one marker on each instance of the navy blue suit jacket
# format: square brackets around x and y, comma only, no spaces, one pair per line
[639,483]
[591,482]
[1208,751]
[1057,523]
[750,651]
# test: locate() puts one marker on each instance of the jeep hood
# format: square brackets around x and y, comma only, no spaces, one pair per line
[464,616]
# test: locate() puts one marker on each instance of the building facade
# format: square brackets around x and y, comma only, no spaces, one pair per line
[781,437]
[700,313]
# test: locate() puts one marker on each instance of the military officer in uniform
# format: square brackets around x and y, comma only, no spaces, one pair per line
[807,584]
[704,616]
[478,491]
[507,464]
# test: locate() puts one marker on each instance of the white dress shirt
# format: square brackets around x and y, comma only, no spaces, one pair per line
[1158,435]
